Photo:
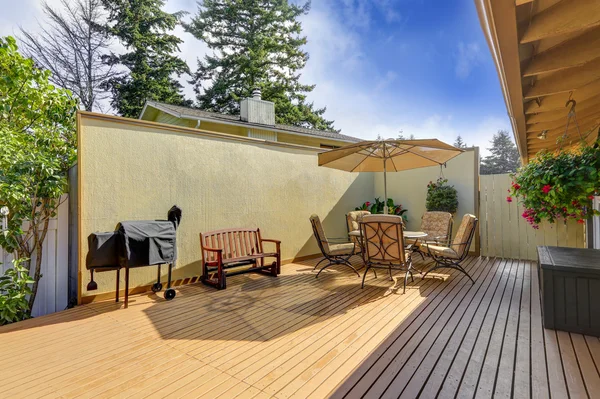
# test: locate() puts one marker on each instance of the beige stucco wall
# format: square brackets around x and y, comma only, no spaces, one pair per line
[132,170]
[409,188]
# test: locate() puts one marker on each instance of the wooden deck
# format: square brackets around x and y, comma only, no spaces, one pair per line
[296,336]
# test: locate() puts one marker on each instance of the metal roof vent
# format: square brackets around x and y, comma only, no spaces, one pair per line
[256,94]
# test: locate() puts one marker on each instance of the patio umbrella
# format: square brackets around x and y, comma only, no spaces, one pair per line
[388,155]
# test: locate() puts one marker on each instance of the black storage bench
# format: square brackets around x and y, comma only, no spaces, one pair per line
[570,289]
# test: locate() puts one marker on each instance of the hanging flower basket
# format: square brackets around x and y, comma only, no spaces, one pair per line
[441,196]
[558,186]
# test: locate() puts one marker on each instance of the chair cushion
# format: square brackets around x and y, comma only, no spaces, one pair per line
[353,218]
[436,224]
[445,252]
[341,249]
[319,232]
[468,224]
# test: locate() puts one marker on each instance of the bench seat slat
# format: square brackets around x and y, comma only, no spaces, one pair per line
[241,252]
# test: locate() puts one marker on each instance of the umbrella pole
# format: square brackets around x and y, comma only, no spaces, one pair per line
[385,207]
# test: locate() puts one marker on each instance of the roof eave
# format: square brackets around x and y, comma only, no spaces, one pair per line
[486,14]
[242,124]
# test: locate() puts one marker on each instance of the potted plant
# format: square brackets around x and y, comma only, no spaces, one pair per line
[441,196]
[558,186]
[377,208]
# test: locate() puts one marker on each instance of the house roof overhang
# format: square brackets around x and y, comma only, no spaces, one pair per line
[180,112]
[546,53]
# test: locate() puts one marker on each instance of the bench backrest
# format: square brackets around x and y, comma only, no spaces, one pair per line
[235,243]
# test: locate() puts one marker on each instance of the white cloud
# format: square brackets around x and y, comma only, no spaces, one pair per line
[360,13]
[468,57]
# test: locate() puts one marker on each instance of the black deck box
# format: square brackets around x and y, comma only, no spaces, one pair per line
[570,289]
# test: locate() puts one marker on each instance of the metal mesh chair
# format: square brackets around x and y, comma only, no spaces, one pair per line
[353,220]
[452,255]
[438,226]
[384,245]
[335,253]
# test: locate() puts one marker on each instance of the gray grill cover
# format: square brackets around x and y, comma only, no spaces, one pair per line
[104,249]
[147,243]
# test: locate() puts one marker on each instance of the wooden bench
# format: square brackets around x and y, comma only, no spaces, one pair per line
[235,251]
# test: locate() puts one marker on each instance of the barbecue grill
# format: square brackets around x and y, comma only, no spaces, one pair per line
[139,243]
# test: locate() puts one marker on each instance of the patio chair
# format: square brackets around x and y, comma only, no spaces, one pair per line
[438,226]
[335,253]
[452,255]
[384,245]
[352,224]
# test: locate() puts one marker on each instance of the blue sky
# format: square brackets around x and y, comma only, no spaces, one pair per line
[380,66]
[419,66]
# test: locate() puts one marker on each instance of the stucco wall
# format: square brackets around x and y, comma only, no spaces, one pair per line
[409,188]
[132,170]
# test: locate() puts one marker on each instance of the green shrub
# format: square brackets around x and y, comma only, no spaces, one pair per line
[441,196]
[14,294]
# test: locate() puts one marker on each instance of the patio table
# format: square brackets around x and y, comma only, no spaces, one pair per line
[406,233]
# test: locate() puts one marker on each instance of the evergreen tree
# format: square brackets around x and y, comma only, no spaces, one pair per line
[143,28]
[459,143]
[504,156]
[256,44]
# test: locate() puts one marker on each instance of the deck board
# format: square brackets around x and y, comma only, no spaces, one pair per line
[296,337]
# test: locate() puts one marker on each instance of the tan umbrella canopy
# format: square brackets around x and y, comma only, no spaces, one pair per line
[392,155]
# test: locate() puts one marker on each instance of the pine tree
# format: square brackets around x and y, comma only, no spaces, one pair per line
[459,143]
[401,136]
[504,156]
[256,44]
[143,28]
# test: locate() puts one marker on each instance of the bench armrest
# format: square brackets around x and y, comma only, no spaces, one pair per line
[213,249]
[276,242]
[271,240]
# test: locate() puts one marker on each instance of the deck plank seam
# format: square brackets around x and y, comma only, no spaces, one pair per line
[503,281]
[433,304]
[470,320]
[479,285]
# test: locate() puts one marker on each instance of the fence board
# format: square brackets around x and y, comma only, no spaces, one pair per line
[504,232]
[53,288]
[483,219]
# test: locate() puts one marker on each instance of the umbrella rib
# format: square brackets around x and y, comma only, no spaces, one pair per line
[393,163]
[360,163]
[423,156]
[363,147]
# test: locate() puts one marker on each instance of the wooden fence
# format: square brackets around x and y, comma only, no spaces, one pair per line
[53,288]
[505,233]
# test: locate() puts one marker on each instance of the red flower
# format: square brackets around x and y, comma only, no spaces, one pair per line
[508,199]
[367,203]
[516,186]
[580,221]
[546,189]
[591,197]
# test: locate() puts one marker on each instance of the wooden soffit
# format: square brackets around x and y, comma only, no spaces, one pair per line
[554,45]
